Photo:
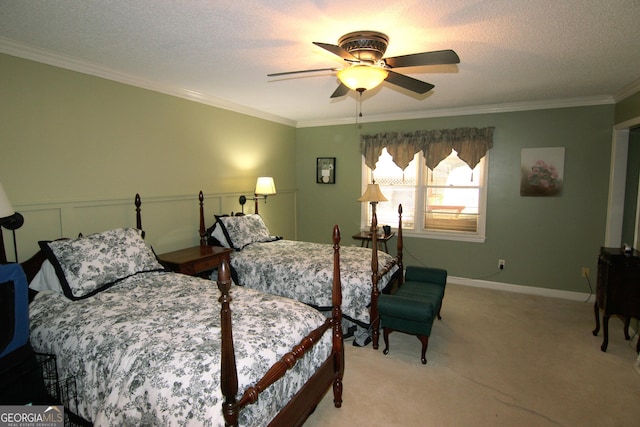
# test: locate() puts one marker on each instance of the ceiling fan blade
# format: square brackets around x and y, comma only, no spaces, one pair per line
[337,50]
[301,71]
[341,90]
[436,57]
[409,83]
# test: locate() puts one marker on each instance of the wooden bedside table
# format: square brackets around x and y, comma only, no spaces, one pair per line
[196,260]
[365,238]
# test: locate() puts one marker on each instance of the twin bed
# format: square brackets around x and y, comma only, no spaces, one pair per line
[150,347]
[299,270]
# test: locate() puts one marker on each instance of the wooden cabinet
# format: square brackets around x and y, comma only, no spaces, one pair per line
[618,290]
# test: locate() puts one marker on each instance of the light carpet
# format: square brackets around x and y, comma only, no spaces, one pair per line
[495,359]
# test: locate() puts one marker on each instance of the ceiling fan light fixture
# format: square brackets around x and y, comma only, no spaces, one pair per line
[362,77]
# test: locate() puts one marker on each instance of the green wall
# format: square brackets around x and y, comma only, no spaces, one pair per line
[545,241]
[75,149]
[628,108]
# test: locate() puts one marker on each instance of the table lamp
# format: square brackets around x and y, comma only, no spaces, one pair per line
[373,195]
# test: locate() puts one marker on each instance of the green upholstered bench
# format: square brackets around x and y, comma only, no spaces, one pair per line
[414,306]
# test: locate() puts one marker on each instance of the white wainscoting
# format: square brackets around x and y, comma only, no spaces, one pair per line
[170,222]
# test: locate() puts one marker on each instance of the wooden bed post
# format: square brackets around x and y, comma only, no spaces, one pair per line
[138,203]
[228,371]
[202,230]
[338,342]
[400,245]
[376,275]
[375,292]
[304,402]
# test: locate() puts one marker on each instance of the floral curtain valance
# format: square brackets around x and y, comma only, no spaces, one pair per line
[471,144]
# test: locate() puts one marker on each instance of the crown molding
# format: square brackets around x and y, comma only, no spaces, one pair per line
[63,61]
[469,110]
[69,63]
[627,91]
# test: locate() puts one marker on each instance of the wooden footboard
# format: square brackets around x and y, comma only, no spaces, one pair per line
[305,401]
[376,275]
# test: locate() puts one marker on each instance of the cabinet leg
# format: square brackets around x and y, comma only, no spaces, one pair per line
[605,327]
[596,311]
[627,321]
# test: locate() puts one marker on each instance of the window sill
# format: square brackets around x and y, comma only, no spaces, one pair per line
[445,236]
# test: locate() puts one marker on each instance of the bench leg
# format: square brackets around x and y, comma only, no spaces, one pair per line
[424,339]
[439,310]
[425,342]
[385,335]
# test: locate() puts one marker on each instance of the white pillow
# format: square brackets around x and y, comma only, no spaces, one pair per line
[46,279]
[244,230]
[218,234]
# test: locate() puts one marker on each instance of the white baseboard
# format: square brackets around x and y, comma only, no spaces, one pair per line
[531,290]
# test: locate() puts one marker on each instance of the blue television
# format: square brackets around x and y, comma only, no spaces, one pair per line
[14,308]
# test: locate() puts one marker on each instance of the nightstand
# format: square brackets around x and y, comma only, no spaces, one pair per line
[196,260]
[365,237]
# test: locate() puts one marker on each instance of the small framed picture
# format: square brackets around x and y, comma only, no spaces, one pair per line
[326,170]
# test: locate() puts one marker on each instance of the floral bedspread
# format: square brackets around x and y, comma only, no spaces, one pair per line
[147,351]
[304,271]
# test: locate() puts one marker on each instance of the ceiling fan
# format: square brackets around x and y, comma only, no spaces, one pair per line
[366,69]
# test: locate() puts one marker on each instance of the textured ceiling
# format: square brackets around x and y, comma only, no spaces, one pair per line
[513,52]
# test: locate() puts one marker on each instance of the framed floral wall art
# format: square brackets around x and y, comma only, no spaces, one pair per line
[541,171]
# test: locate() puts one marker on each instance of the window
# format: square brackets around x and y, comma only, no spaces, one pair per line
[448,202]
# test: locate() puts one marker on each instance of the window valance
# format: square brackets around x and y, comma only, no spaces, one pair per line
[471,144]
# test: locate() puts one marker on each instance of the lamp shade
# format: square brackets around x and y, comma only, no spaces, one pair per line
[362,77]
[6,209]
[372,194]
[265,186]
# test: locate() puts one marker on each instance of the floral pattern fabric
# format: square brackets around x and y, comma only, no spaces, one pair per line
[87,265]
[146,351]
[241,231]
[304,271]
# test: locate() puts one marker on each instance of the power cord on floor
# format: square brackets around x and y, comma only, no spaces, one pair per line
[586,276]
[406,251]
[489,276]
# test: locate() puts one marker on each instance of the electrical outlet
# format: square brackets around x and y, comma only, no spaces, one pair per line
[501,264]
[585,271]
